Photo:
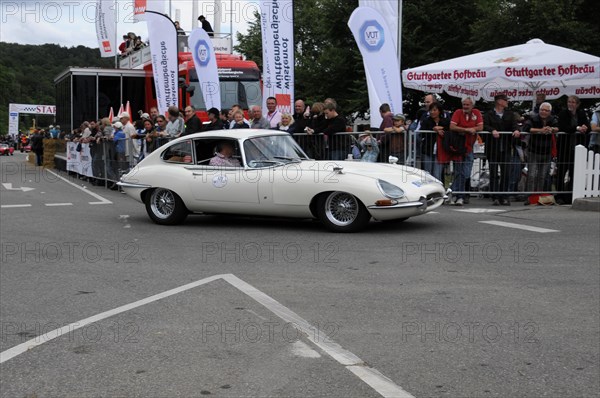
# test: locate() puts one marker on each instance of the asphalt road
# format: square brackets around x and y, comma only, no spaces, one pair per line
[442,305]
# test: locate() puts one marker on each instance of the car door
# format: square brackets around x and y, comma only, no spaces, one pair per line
[221,188]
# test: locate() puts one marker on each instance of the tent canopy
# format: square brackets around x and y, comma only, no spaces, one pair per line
[517,71]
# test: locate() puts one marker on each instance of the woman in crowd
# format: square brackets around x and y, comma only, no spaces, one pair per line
[287,123]
[431,146]
[238,117]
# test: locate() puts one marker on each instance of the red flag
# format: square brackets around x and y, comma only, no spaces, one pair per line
[111,114]
[128,109]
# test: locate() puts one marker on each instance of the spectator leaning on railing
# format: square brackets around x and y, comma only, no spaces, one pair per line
[541,127]
[395,136]
[176,125]
[335,124]
[465,122]
[575,125]
[498,147]
[431,145]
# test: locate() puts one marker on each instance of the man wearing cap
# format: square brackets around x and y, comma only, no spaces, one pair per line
[54,131]
[501,129]
[206,25]
[119,138]
[131,151]
[214,117]
[395,139]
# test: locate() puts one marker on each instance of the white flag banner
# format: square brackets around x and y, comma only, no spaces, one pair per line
[163,47]
[105,28]
[141,6]
[205,62]
[389,9]
[277,26]
[372,35]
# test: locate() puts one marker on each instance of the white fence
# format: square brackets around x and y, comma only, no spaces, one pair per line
[586,182]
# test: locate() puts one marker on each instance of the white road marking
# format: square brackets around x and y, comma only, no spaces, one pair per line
[520,226]
[372,377]
[100,198]
[13,206]
[380,383]
[58,204]
[8,187]
[100,203]
[301,349]
[480,211]
[39,340]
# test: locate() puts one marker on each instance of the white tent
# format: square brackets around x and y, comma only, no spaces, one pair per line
[518,71]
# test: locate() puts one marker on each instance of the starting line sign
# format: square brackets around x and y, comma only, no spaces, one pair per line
[15,109]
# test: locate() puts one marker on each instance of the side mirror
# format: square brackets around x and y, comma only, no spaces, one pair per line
[392,160]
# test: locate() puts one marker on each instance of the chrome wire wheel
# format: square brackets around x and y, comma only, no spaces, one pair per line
[341,208]
[162,203]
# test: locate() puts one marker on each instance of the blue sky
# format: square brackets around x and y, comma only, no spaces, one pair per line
[71,23]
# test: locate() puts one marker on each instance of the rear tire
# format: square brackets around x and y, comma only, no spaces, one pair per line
[165,207]
[342,212]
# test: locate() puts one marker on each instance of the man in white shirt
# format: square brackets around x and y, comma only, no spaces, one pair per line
[273,115]
[132,151]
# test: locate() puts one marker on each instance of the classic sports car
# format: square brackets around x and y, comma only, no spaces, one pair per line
[275,178]
[6,149]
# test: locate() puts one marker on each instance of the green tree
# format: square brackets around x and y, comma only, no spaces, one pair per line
[27,74]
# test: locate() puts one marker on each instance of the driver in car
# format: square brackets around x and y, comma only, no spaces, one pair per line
[224,156]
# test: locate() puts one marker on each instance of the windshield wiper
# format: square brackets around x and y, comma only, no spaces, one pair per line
[295,160]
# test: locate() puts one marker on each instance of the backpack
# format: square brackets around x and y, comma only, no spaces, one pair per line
[454,143]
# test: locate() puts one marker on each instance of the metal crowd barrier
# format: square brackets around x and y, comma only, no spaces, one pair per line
[103,164]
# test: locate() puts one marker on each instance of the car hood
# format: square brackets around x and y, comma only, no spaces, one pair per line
[385,171]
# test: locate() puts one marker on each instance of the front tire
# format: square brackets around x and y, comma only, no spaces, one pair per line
[165,207]
[342,212]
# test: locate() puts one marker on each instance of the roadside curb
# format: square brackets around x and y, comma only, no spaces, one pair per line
[586,204]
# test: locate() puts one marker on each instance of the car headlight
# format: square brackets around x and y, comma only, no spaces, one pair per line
[390,190]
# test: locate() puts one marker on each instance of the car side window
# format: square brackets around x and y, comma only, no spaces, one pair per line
[207,149]
[179,153]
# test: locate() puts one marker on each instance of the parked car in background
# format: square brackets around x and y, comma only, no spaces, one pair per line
[6,149]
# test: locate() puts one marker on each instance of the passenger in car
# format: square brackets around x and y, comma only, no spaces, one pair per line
[224,156]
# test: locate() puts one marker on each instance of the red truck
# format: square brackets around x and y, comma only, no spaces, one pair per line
[89,93]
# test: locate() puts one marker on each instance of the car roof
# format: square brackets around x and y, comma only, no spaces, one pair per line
[237,134]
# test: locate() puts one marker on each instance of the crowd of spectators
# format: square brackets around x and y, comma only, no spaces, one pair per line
[524,153]
[519,150]
[131,42]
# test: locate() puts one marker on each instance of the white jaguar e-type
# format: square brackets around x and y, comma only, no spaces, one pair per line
[268,174]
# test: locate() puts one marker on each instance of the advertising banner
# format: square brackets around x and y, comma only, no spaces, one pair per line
[34,109]
[534,61]
[13,123]
[277,24]
[79,162]
[390,10]
[163,47]
[372,35]
[205,62]
[141,6]
[105,28]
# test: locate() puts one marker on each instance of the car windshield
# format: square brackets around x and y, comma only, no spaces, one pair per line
[272,149]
